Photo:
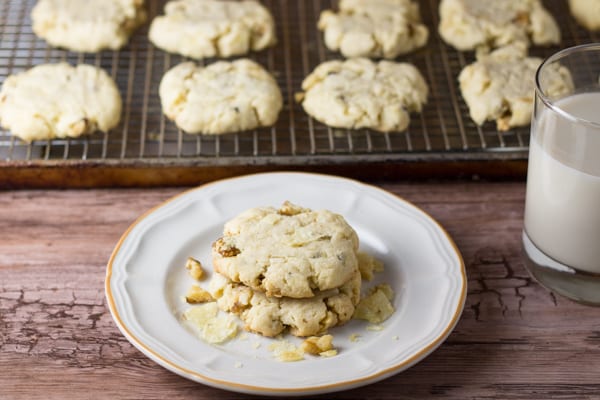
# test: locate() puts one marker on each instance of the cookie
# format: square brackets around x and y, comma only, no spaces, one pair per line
[359,93]
[220,98]
[213,28]
[87,26]
[270,316]
[586,12]
[374,28]
[58,101]
[290,251]
[468,24]
[500,86]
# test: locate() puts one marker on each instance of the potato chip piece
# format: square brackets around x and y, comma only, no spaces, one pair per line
[211,327]
[376,306]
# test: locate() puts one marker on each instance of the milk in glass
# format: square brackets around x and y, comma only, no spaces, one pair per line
[562,214]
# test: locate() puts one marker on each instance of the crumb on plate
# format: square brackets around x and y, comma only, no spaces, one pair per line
[197,295]
[376,307]
[194,268]
[210,325]
[316,345]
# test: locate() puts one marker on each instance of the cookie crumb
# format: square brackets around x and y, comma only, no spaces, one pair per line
[286,351]
[375,328]
[329,353]
[376,307]
[256,345]
[238,364]
[194,268]
[367,265]
[317,344]
[197,295]
[210,326]
[355,337]
[395,337]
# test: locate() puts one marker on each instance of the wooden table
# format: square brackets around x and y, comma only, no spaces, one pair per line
[58,341]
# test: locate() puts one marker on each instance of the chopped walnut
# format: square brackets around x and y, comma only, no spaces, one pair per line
[198,295]
[194,268]
[225,249]
[522,19]
[318,344]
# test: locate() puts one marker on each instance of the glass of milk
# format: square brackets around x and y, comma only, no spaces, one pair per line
[561,236]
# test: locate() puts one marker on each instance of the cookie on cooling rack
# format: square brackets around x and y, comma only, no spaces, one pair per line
[271,316]
[500,86]
[58,101]
[287,252]
[374,28]
[587,13]
[87,26]
[221,97]
[468,24]
[359,93]
[213,28]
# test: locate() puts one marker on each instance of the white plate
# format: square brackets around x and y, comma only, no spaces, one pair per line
[146,280]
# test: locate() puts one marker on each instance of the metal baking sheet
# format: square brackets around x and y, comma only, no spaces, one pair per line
[147,149]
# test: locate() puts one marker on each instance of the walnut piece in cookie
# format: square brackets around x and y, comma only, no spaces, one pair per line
[359,93]
[287,252]
[374,28]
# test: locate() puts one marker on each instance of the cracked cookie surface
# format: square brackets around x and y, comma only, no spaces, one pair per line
[468,24]
[290,251]
[374,28]
[500,86]
[270,316]
[221,97]
[213,28]
[52,101]
[359,93]
[87,26]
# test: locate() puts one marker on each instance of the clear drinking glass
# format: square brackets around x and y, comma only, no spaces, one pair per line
[561,236]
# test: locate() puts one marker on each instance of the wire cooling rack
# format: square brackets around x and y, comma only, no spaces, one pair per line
[147,149]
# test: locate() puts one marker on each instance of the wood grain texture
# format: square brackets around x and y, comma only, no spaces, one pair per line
[515,340]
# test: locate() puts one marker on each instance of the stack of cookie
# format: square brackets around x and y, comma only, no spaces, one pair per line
[288,268]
